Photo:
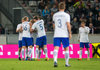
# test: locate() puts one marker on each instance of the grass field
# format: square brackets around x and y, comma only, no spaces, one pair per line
[14,64]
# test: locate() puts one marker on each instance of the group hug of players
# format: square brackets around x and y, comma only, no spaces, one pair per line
[62,34]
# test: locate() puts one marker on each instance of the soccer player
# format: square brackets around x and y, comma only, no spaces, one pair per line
[26,37]
[83,39]
[19,26]
[41,41]
[32,39]
[62,33]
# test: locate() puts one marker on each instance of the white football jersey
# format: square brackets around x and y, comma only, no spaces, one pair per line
[26,29]
[39,25]
[83,34]
[20,33]
[60,20]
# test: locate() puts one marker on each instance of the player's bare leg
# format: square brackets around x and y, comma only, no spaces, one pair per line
[56,55]
[80,54]
[26,53]
[19,51]
[88,54]
[23,48]
[67,57]
[46,52]
[40,51]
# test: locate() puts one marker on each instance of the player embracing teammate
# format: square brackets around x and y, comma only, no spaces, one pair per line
[26,40]
[41,41]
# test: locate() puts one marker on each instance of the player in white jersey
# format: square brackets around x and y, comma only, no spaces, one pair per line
[26,37]
[41,41]
[32,39]
[32,22]
[62,33]
[20,38]
[83,39]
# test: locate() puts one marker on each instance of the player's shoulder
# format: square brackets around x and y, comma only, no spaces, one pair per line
[66,14]
[86,27]
[19,24]
[80,27]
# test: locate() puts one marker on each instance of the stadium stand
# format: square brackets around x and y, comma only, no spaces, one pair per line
[89,10]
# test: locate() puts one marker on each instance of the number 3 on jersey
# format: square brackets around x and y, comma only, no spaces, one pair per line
[59,23]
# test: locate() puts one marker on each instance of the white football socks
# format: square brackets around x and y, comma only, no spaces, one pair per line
[37,52]
[30,52]
[55,55]
[22,53]
[80,54]
[66,57]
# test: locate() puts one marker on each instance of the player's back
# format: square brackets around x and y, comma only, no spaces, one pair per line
[60,20]
[26,29]
[39,25]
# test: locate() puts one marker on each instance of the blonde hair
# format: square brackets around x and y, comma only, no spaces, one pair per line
[61,5]
[25,18]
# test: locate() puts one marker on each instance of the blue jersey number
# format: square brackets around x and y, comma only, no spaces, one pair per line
[41,27]
[25,28]
[59,23]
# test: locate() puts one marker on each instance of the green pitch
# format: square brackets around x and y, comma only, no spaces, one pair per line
[14,64]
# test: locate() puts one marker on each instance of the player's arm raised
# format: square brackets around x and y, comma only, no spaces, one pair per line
[87,30]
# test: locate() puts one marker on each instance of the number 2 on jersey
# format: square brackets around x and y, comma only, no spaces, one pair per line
[59,23]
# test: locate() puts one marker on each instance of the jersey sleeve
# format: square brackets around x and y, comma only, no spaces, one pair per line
[42,21]
[68,18]
[33,26]
[18,27]
[79,35]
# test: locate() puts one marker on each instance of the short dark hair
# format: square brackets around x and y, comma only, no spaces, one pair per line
[83,21]
[61,5]
[35,17]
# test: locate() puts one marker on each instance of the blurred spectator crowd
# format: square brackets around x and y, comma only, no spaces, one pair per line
[88,10]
